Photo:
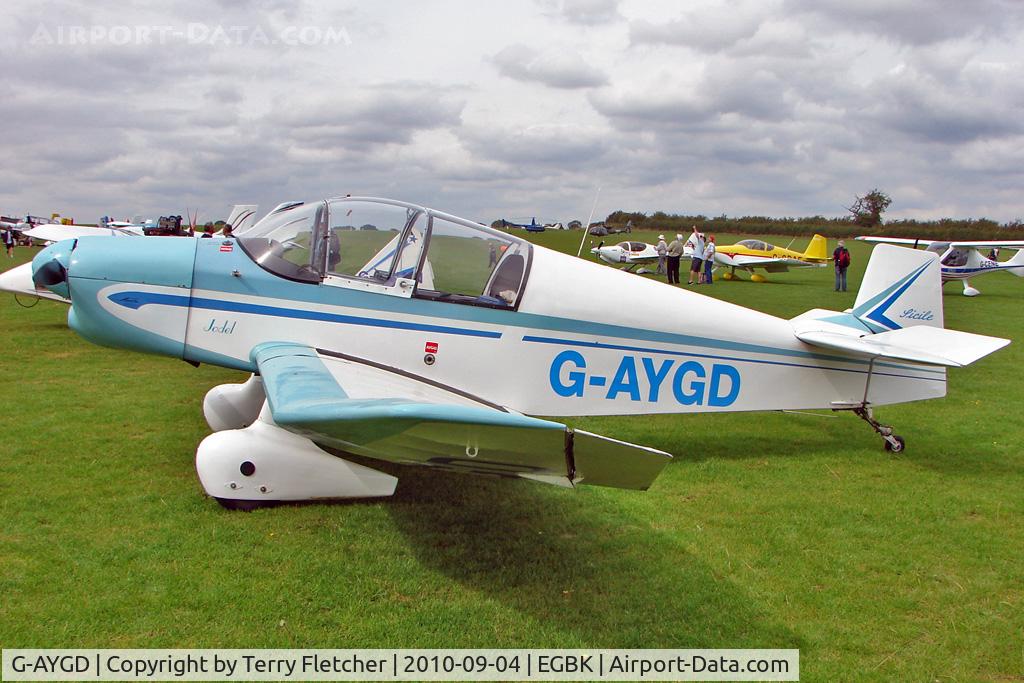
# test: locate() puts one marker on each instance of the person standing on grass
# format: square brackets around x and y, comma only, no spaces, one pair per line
[662,250]
[709,259]
[841,257]
[697,259]
[674,253]
[8,237]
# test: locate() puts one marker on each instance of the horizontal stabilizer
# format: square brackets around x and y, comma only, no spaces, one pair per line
[929,345]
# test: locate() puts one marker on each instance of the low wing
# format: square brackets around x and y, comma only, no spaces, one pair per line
[772,265]
[387,414]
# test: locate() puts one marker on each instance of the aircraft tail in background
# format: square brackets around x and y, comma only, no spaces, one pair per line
[817,249]
[1017,260]
[242,217]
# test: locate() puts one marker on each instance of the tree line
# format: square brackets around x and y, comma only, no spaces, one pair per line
[865,219]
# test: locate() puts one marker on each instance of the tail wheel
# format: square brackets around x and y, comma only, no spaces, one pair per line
[895,447]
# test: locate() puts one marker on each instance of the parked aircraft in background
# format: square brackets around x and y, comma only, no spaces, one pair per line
[410,343]
[602,229]
[532,226]
[12,223]
[964,260]
[753,253]
[243,215]
[628,254]
[18,280]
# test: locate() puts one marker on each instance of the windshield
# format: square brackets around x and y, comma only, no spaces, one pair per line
[283,242]
[955,258]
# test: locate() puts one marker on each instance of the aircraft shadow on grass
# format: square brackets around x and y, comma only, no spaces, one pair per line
[575,565]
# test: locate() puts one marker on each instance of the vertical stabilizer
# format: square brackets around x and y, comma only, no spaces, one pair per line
[1017,260]
[243,217]
[817,249]
[901,288]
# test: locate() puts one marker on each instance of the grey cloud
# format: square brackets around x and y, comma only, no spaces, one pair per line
[366,117]
[724,88]
[918,22]
[553,145]
[705,30]
[960,111]
[583,12]
[557,68]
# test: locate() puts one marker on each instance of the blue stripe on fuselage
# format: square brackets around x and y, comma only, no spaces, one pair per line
[138,299]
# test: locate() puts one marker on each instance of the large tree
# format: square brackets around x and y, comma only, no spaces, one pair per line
[867,210]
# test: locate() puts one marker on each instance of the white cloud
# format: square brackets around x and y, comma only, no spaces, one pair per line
[554,67]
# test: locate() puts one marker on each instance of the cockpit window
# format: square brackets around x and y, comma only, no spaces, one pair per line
[955,258]
[756,244]
[283,242]
[471,264]
[364,238]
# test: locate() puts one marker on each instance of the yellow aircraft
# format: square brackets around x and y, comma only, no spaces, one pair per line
[753,253]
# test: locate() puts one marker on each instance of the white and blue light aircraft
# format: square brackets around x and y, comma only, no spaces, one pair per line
[388,330]
[964,260]
[628,255]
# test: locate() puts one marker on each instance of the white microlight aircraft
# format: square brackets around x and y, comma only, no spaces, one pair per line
[18,280]
[386,330]
[629,255]
[242,217]
[964,260]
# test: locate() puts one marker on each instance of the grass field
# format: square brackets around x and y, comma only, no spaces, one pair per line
[767,530]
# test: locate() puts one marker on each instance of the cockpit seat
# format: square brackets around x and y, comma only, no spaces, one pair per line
[508,276]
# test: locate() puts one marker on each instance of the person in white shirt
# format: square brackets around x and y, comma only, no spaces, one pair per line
[697,259]
[709,259]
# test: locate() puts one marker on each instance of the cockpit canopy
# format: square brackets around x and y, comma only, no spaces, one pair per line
[353,240]
[756,244]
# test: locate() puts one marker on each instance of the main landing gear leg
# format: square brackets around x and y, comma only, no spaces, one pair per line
[862,409]
[893,442]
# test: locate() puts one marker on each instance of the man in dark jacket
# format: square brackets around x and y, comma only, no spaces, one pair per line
[841,257]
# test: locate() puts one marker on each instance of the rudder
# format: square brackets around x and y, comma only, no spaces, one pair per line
[901,288]
[1017,260]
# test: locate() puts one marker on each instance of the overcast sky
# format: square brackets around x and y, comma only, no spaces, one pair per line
[514,109]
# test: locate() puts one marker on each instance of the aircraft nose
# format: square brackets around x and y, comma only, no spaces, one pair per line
[50,267]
